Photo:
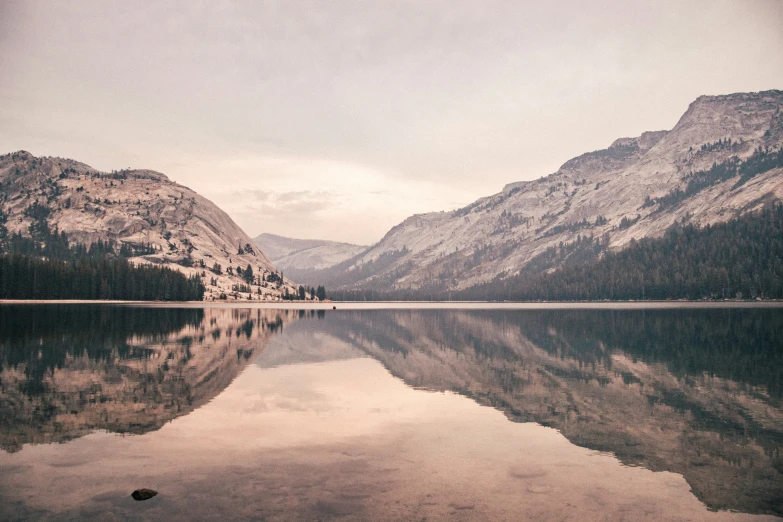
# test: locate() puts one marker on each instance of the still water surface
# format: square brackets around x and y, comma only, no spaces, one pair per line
[390,414]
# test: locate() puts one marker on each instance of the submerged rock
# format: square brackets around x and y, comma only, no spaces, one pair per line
[143,494]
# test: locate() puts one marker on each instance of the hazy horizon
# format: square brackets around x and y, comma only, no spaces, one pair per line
[335,121]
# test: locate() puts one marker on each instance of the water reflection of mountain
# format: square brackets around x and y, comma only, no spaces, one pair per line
[68,370]
[696,392]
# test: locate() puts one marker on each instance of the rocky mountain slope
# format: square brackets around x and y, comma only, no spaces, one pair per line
[140,209]
[295,255]
[637,187]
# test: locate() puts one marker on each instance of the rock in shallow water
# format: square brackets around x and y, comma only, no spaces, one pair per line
[143,494]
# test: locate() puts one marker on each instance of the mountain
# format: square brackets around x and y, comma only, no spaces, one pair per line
[299,256]
[158,221]
[721,160]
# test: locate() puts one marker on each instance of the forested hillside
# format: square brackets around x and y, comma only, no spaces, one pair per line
[741,258]
[46,266]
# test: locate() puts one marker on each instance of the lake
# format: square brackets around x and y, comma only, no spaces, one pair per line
[391,412]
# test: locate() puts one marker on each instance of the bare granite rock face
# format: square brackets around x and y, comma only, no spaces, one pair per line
[137,207]
[589,196]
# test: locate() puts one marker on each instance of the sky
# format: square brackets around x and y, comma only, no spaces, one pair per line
[339,119]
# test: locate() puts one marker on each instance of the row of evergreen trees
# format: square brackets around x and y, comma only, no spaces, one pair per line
[46,266]
[29,277]
[303,293]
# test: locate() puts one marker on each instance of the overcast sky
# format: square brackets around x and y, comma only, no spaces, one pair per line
[338,119]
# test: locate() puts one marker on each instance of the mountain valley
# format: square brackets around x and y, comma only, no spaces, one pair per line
[295,255]
[722,160]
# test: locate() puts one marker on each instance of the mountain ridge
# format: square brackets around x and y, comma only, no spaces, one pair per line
[616,193]
[138,208]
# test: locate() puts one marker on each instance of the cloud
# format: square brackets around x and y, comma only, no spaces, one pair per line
[284,204]
[355,117]
[292,212]
[256,195]
[344,201]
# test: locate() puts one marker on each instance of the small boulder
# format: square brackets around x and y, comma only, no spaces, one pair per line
[143,494]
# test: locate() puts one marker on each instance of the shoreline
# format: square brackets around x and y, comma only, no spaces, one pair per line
[413,305]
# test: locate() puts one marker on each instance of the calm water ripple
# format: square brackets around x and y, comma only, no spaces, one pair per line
[390,414]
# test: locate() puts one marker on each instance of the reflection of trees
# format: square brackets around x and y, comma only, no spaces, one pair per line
[696,392]
[738,344]
[41,338]
[69,370]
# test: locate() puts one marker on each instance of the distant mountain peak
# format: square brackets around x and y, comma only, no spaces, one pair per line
[299,256]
